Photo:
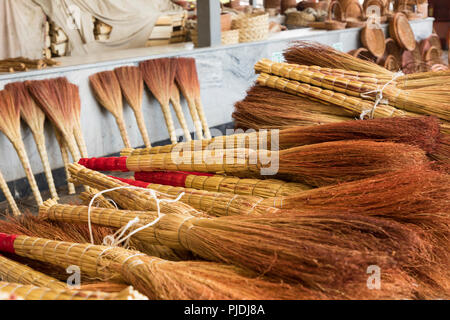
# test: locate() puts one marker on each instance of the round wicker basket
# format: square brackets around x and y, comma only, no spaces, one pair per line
[252,27]
[374,40]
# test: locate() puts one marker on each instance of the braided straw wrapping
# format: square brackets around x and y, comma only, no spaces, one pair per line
[28,292]
[66,160]
[350,103]
[9,198]
[176,104]
[12,271]
[40,143]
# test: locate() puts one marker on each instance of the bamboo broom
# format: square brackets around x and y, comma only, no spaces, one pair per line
[65,157]
[223,184]
[176,103]
[35,119]
[187,79]
[159,75]
[29,292]
[74,100]
[10,126]
[307,248]
[9,198]
[422,132]
[184,78]
[12,271]
[316,165]
[154,277]
[414,101]
[132,85]
[107,90]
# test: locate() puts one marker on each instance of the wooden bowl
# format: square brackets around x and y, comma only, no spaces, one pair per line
[373,39]
[401,31]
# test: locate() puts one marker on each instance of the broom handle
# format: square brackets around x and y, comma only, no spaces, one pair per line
[142,128]
[79,138]
[12,203]
[195,118]
[40,143]
[169,122]
[179,112]
[123,132]
[20,148]
[66,160]
[201,113]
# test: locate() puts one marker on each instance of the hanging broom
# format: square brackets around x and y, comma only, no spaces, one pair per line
[154,277]
[319,251]
[74,99]
[107,90]
[316,165]
[10,126]
[9,198]
[176,103]
[30,292]
[223,184]
[35,119]
[185,79]
[132,85]
[159,75]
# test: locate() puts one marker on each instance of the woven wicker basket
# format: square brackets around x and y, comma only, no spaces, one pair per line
[252,27]
[228,37]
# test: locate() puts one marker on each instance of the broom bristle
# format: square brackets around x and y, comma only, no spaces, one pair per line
[29,110]
[107,91]
[9,116]
[314,53]
[159,75]
[187,77]
[132,84]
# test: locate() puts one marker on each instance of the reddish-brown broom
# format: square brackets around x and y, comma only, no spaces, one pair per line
[10,126]
[107,90]
[35,119]
[132,84]
[159,75]
[9,198]
[187,80]
[176,103]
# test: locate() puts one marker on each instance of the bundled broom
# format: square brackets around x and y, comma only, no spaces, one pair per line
[35,119]
[187,81]
[9,198]
[176,103]
[30,292]
[10,126]
[132,85]
[74,100]
[154,277]
[65,158]
[316,165]
[107,90]
[320,251]
[159,75]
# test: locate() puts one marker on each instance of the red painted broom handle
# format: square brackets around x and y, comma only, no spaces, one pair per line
[105,164]
[7,242]
[172,178]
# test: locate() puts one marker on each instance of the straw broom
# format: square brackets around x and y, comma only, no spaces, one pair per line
[12,271]
[29,292]
[132,85]
[223,184]
[154,277]
[184,79]
[107,90]
[10,126]
[159,75]
[35,119]
[65,157]
[187,79]
[9,198]
[176,103]
[316,165]
[100,201]
[74,99]
[291,247]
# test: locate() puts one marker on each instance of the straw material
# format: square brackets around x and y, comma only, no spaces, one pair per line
[252,27]
[188,82]
[154,277]
[224,184]
[24,292]
[9,198]
[10,126]
[100,200]
[74,99]
[65,157]
[176,104]
[316,165]
[12,271]
[291,247]
[107,90]
[34,118]
[159,75]
[132,84]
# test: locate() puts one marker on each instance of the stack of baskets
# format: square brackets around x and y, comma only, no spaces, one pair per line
[252,27]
